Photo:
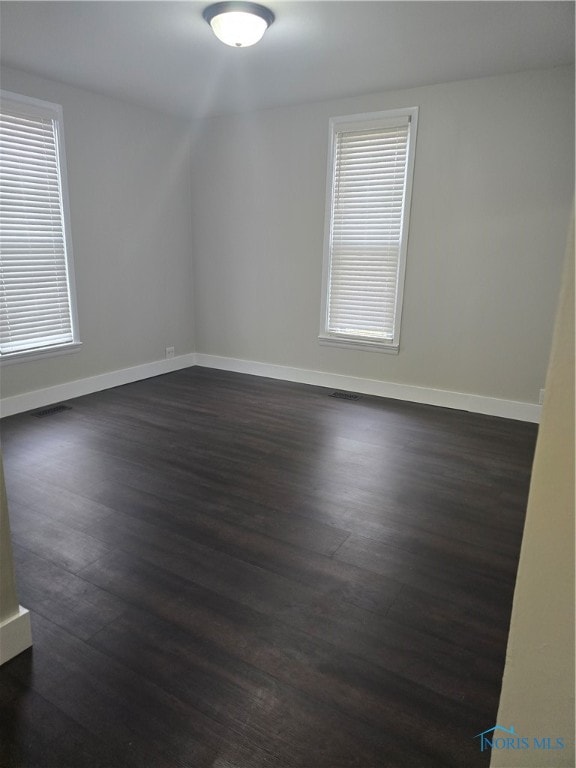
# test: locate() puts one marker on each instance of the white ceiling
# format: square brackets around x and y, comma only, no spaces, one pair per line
[164,55]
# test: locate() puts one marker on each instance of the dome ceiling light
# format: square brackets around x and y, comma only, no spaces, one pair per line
[238,24]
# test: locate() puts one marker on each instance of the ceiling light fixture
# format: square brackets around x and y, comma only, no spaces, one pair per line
[238,24]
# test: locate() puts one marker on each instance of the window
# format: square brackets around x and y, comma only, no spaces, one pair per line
[37,306]
[369,184]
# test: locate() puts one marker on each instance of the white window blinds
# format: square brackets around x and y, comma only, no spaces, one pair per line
[35,297]
[367,230]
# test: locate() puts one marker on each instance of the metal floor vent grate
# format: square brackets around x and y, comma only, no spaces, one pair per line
[50,410]
[345,395]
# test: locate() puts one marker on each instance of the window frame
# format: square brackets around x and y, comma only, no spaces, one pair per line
[367,120]
[39,108]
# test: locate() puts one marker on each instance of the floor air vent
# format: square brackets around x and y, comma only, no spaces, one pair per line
[345,395]
[51,409]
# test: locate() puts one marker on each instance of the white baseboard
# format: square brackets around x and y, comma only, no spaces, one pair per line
[491,406]
[39,398]
[15,635]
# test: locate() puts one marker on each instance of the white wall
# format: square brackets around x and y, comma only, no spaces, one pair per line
[224,255]
[493,186]
[538,687]
[129,182]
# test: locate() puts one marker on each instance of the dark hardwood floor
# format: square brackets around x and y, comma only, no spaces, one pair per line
[235,572]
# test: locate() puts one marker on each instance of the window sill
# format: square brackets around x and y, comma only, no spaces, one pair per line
[36,354]
[362,344]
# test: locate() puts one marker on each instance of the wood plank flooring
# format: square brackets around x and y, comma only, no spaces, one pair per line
[226,571]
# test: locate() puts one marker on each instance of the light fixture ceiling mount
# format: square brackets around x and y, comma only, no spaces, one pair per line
[238,24]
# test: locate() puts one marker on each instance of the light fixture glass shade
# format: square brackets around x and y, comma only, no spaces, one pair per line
[238,24]
[238,29]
